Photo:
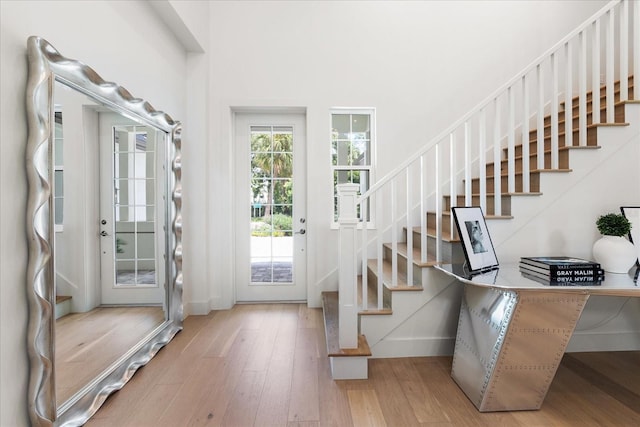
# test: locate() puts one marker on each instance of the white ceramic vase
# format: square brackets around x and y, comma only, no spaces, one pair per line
[614,253]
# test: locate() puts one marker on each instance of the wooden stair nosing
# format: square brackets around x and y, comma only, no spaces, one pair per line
[531,193]
[417,255]
[62,298]
[330,313]
[431,232]
[532,171]
[604,125]
[402,285]
[503,194]
[486,216]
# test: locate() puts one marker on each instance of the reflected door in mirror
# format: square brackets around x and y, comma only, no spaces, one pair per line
[131,237]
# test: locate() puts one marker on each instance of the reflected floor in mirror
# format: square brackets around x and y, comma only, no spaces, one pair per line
[87,343]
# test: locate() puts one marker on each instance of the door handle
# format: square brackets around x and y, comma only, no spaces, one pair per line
[302,231]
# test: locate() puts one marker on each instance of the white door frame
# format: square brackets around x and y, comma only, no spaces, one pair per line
[243,290]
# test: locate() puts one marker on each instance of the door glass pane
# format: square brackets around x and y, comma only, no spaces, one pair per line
[271,205]
[134,188]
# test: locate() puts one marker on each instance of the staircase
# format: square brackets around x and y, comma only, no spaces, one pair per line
[382,293]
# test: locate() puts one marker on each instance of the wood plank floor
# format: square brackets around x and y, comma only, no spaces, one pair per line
[266,365]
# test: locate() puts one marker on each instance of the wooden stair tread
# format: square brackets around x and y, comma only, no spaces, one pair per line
[62,298]
[487,216]
[506,174]
[330,313]
[604,125]
[504,194]
[531,193]
[431,232]
[417,255]
[386,276]
[534,153]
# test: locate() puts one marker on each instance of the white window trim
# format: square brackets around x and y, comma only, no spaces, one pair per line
[371,111]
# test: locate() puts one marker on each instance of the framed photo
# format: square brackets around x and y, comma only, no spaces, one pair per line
[632,213]
[476,242]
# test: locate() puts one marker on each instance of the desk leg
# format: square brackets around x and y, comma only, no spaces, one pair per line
[509,344]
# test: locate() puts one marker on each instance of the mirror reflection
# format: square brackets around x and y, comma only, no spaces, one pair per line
[110,240]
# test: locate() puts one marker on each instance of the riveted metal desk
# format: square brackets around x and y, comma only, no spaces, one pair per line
[513,332]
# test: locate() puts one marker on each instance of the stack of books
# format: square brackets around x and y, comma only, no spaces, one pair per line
[562,271]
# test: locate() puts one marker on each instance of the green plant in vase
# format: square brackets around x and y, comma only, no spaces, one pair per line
[613,225]
[613,251]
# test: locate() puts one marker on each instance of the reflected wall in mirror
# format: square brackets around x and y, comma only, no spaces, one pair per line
[104,198]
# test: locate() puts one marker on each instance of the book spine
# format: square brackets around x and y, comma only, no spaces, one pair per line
[546,281]
[583,274]
[563,267]
[574,267]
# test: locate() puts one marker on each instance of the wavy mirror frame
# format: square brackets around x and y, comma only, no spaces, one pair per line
[46,65]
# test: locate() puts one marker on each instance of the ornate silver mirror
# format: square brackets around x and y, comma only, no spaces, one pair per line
[104,278]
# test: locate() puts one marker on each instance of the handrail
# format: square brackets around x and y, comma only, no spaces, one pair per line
[486,101]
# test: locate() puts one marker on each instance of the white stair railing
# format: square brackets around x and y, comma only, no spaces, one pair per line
[546,102]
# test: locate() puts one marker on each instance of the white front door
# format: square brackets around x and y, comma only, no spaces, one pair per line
[132,195]
[270,207]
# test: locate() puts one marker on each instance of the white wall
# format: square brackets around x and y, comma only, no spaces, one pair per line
[126,43]
[422,65]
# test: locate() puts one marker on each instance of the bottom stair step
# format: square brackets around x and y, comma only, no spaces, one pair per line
[63,306]
[330,312]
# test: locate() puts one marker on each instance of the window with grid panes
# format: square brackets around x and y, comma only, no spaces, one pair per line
[352,142]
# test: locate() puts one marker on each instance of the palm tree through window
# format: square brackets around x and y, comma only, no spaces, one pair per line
[271,204]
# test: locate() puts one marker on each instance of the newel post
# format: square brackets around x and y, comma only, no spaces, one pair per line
[347,278]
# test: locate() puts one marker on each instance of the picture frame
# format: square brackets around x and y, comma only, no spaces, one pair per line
[474,236]
[632,213]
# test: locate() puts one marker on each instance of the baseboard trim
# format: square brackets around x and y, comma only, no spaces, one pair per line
[413,347]
[604,341]
[200,308]
[425,347]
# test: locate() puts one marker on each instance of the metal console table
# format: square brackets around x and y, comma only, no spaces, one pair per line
[513,332]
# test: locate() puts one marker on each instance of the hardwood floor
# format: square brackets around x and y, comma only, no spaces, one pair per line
[267,365]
